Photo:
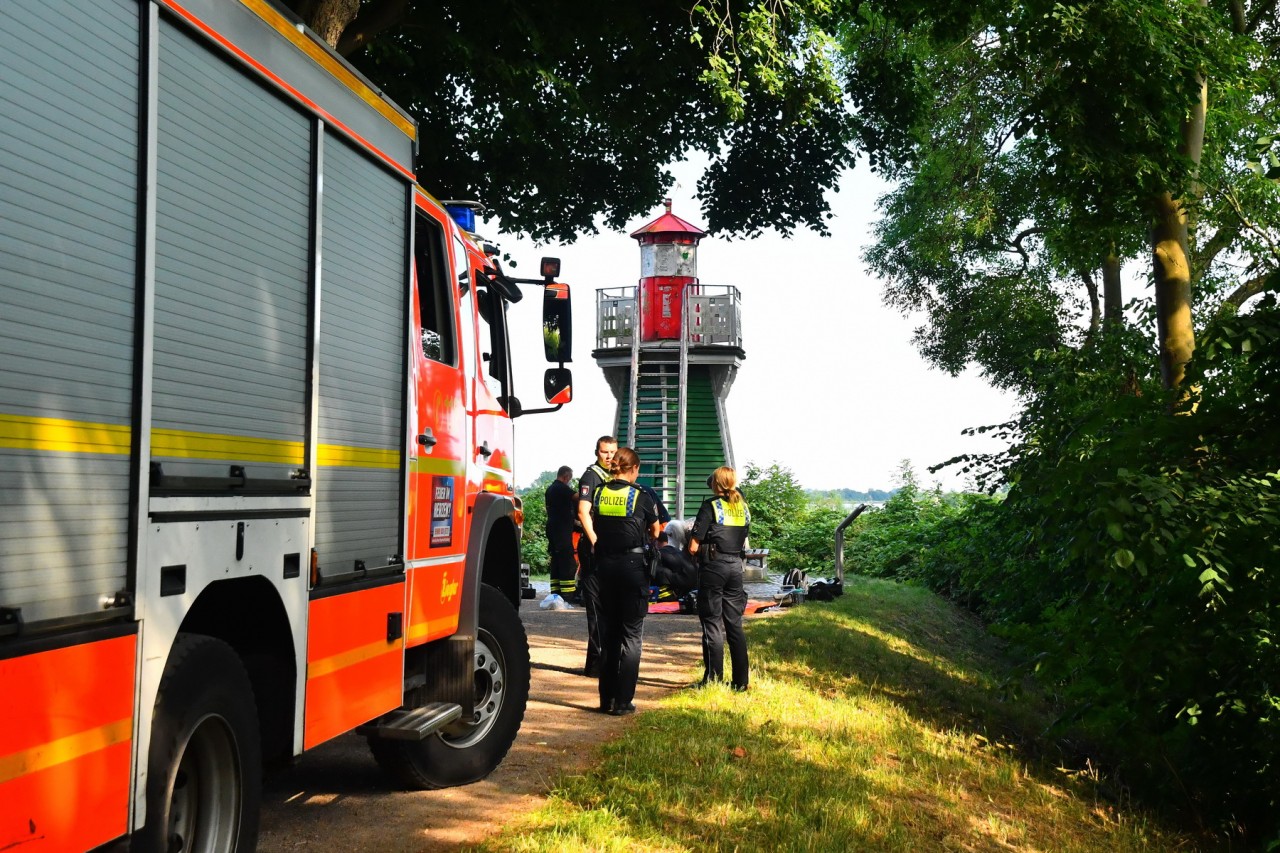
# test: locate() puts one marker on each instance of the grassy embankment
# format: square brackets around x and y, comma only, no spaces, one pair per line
[882,721]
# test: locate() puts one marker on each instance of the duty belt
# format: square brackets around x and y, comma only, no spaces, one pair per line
[638,550]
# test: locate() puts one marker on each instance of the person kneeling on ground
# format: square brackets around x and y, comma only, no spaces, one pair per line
[675,575]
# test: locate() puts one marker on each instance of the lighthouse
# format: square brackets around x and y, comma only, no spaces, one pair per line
[670,348]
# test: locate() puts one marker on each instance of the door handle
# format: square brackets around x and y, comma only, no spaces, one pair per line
[427,438]
[484,450]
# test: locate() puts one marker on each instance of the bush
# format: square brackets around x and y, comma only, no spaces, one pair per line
[533,538]
[1135,561]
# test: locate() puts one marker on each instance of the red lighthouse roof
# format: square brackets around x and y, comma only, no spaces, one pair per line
[669,224]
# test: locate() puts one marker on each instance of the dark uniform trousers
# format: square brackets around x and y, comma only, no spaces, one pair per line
[564,569]
[624,600]
[589,589]
[722,598]
[588,582]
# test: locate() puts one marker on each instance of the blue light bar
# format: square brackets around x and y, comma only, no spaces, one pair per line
[465,216]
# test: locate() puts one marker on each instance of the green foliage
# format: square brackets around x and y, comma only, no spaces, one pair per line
[798,530]
[1134,560]
[561,119]
[808,542]
[533,539]
[776,500]
[849,495]
[892,541]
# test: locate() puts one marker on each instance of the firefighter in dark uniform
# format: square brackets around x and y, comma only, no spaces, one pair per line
[596,475]
[718,536]
[622,521]
[562,517]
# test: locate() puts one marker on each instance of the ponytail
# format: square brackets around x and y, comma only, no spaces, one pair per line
[724,480]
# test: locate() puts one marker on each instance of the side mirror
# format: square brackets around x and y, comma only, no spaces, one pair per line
[511,405]
[557,324]
[557,385]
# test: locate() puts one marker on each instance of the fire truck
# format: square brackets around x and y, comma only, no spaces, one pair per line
[256,485]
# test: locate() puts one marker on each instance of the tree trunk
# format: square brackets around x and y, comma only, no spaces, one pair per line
[1171,259]
[1112,306]
[1172,270]
[329,18]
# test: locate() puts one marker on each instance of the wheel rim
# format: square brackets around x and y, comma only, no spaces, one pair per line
[490,689]
[204,803]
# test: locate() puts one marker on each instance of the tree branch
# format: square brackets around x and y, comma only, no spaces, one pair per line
[1230,196]
[1214,246]
[1251,288]
[1238,24]
[1264,10]
[1016,243]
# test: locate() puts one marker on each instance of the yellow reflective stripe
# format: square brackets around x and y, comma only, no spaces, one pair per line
[236,448]
[64,749]
[66,436]
[427,627]
[337,455]
[63,436]
[324,59]
[432,465]
[351,657]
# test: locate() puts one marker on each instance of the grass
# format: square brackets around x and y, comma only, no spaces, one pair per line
[882,721]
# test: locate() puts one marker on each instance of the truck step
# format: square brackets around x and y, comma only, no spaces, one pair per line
[413,723]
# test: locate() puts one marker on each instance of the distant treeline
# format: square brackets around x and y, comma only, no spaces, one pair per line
[851,494]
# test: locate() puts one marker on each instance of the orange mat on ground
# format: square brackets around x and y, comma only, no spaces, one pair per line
[674,606]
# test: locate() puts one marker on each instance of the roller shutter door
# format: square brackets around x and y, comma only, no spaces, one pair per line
[233,214]
[68,262]
[363,291]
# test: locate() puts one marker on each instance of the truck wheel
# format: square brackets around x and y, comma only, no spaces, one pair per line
[470,750]
[204,773]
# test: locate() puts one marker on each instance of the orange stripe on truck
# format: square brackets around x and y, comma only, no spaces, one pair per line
[66,741]
[353,672]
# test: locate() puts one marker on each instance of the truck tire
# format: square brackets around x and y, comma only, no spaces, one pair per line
[204,771]
[469,751]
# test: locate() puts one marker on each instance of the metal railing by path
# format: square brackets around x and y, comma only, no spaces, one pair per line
[840,540]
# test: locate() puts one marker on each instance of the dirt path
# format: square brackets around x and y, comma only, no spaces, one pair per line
[336,798]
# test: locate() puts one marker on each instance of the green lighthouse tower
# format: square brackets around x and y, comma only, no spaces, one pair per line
[670,348]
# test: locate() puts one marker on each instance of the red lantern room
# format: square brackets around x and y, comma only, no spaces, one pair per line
[668,261]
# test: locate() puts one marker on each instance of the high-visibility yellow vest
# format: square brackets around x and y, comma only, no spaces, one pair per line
[616,500]
[731,514]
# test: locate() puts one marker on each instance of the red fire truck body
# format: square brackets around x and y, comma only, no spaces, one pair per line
[256,483]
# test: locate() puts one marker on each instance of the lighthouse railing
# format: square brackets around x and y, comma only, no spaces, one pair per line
[714,312]
[615,317]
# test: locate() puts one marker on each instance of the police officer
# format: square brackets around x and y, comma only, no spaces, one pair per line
[718,536]
[596,475]
[622,520]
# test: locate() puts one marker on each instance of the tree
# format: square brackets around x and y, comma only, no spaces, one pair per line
[533,538]
[1055,143]
[555,115]
[776,500]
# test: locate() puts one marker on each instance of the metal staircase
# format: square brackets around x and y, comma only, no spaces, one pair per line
[655,428]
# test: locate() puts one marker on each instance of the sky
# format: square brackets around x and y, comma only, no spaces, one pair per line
[831,386]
